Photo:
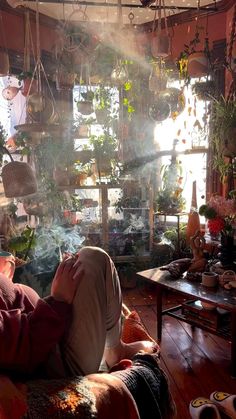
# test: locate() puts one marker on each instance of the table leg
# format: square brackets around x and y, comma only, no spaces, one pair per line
[233,344]
[159,312]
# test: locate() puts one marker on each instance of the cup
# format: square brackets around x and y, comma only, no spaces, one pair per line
[7,264]
[209,279]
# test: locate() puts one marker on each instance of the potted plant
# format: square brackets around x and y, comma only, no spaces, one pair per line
[194,62]
[103,105]
[104,151]
[21,244]
[127,274]
[169,198]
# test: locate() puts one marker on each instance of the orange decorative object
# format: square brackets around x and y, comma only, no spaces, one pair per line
[193,224]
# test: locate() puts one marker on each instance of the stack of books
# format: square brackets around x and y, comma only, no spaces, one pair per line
[212,319]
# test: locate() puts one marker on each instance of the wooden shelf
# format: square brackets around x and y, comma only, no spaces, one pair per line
[223,331]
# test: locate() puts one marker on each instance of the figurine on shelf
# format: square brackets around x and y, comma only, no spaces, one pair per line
[197,244]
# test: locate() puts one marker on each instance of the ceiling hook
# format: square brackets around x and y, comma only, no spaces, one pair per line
[131,18]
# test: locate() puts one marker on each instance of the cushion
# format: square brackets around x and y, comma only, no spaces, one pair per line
[133,329]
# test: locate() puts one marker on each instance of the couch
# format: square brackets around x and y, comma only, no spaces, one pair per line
[132,390]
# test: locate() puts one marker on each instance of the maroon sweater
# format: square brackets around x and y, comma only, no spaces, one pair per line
[30,327]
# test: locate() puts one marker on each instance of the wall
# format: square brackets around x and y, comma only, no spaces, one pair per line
[181,32]
[13,31]
[229,20]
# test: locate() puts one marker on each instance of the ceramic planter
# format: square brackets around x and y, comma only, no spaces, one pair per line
[198,64]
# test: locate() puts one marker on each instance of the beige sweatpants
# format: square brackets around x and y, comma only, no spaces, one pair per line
[96,313]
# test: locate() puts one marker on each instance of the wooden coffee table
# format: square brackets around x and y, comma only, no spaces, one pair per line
[225,299]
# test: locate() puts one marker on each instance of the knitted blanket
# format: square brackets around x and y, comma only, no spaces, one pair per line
[149,387]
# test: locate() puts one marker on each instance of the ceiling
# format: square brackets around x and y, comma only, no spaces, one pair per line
[107,10]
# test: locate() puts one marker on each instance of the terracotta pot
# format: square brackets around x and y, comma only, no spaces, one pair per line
[61,177]
[81,179]
[198,64]
[29,86]
[82,131]
[160,45]
[18,179]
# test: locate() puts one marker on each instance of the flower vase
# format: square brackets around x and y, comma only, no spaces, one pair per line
[227,254]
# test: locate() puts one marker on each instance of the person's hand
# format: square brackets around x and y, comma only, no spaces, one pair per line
[66,279]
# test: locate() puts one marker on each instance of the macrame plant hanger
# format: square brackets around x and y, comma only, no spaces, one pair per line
[160,41]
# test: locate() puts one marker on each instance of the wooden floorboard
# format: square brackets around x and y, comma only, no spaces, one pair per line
[196,362]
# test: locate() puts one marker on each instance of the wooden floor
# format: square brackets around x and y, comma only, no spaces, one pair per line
[197,363]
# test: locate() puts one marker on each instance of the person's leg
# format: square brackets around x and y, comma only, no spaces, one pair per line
[96,313]
[96,323]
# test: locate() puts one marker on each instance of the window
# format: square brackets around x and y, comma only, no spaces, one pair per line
[189,132]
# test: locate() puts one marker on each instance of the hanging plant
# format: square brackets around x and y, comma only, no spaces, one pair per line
[195,62]
[223,132]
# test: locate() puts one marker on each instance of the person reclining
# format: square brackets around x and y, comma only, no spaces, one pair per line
[70,332]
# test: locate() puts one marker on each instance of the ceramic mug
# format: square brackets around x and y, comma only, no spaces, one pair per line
[7,264]
[209,279]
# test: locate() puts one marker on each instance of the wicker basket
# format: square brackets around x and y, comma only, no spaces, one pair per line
[18,179]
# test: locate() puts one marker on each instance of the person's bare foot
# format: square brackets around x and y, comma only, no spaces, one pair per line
[128,350]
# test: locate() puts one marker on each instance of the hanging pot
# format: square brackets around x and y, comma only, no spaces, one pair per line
[40,108]
[156,81]
[65,80]
[4,63]
[18,179]
[119,74]
[198,64]
[175,98]
[160,110]
[10,92]
[160,45]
